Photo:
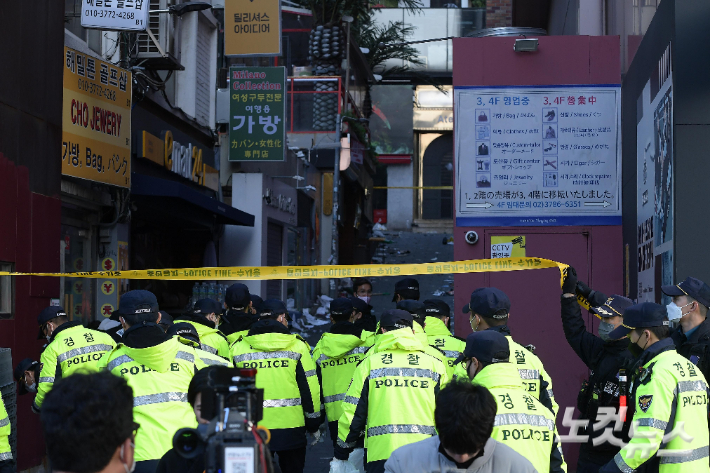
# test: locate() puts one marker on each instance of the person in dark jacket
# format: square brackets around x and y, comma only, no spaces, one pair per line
[603,357]
[689,310]
[363,318]
[238,316]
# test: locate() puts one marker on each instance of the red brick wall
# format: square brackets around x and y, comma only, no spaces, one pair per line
[499,13]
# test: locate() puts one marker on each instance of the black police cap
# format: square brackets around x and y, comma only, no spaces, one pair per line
[415,308]
[488,346]
[25,365]
[206,307]
[272,308]
[184,330]
[644,315]
[256,302]
[395,319]
[692,287]
[341,306]
[137,302]
[488,302]
[437,308]
[614,305]
[237,296]
[47,314]
[361,306]
[408,288]
[165,318]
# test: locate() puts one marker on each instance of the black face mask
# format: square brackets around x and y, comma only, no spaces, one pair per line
[635,349]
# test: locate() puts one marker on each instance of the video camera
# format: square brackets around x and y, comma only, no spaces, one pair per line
[231,442]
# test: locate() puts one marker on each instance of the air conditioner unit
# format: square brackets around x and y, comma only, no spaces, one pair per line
[159,47]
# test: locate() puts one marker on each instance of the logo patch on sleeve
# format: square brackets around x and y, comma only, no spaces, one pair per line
[645,402]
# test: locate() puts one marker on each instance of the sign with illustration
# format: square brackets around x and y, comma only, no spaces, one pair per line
[538,156]
[654,175]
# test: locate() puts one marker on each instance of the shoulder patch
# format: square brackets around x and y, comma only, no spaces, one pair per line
[645,402]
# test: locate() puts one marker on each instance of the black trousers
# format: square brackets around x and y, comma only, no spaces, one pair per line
[7,466]
[291,461]
[147,466]
[375,467]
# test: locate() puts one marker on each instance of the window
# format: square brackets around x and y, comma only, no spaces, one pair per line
[7,292]
[72,22]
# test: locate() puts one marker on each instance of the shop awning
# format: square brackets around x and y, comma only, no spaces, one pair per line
[161,190]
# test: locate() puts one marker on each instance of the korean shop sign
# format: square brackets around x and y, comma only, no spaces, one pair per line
[257,130]
[96,120]
[128,15]
[252,28]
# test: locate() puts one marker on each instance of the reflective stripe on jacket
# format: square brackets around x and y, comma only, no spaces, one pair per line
[211,339]
[336,357]
[669,410]
[522,422]
[160,376]
[440,337]
[72,348]
[288,376]
[391,397]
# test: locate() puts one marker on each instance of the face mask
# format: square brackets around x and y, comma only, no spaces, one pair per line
[675,312]
[604,330]
[48,337]
[365,298]
[133,467]
[32,388]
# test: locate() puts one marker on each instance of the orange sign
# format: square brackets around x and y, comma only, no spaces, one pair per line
[252,28]
[96,120]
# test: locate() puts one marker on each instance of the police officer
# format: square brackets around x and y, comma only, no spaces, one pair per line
[489,309]
[689,309]
[336,355]
[187,334]
[71,348]
[418,312]
[204,317]
[159,369]
[391,396]
[256,303]
[522,422]
[26,374]
[670,399]
[239,312]
[437,323]
[286,372]
[363,317]
[604,357]
[7,462]
[406,289]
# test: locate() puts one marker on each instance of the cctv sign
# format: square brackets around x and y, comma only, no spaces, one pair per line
[124,15]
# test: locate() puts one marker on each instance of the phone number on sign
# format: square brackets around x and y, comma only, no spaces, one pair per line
[96,89]
[541,205]
[109,14]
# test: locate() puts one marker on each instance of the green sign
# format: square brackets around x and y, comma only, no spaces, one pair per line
[257,127]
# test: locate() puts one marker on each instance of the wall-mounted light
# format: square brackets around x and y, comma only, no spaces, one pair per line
[525,45]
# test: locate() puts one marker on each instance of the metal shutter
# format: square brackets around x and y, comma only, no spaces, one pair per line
[204,66]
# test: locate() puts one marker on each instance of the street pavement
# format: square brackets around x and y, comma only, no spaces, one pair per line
[406,248]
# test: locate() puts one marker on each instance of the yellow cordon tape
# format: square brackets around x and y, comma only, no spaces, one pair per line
[317,272]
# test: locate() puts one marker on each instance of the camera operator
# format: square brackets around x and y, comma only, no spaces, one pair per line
[172,462]
[81,433]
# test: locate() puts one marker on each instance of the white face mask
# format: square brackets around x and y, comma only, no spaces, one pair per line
[674,312]
[365,298]
[133,467]
[31,388]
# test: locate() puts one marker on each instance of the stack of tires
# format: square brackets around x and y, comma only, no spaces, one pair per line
[325,53]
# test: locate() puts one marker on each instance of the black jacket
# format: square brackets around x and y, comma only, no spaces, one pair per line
[696,348]
[174,463]
[604,359]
